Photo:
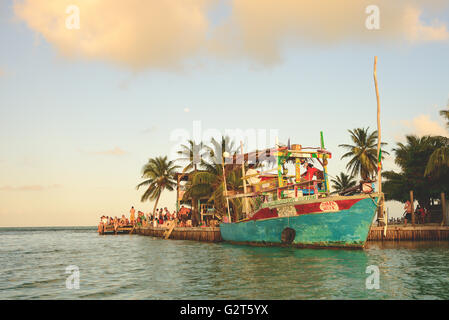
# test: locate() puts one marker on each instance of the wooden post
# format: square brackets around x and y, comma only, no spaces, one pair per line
[379,175]
[177,193]
[225,188]
[443,208]
[413,207]
[297,170]
[245,200]
[326,178]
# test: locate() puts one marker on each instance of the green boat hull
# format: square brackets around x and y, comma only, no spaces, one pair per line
[348,226]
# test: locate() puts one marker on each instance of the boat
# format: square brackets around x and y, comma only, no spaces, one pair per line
[289,210]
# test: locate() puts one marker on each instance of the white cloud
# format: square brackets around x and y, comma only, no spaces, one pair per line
[113,152]
[134,33]
[422,125]
[35,187]
[167,34]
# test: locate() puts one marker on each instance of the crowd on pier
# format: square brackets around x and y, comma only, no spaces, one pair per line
[160,218]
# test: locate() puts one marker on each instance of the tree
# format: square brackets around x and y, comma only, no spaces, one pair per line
[363,153]
[412,158]
[445,114]
[191,153]
[160,175]
[209,181]
[343,182]
[439,160]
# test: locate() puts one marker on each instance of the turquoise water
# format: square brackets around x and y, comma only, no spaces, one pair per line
[33,262]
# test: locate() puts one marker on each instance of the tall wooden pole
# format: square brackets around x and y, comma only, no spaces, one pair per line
[245,200]
[225,188]
[379,171]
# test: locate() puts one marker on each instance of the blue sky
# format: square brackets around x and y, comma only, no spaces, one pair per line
[62,117]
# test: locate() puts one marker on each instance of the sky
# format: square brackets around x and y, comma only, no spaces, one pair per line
[90,90]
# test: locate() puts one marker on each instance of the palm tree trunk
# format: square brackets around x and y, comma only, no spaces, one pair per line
[155,204]
[195,213]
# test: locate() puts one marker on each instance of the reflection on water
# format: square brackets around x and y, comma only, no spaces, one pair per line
[33,263]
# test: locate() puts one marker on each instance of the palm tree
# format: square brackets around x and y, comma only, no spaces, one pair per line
[363,153]
[412,157]
[439,160]
[160,175]
[191,153]
[209,182]
[343,182]
[445,114]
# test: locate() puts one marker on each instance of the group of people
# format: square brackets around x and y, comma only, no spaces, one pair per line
[140,219]
[421,214]
[116,222]
[159,217]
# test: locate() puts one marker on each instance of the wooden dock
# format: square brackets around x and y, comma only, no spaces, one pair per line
[120,230]
[212,234]
[413,233]
[207,234]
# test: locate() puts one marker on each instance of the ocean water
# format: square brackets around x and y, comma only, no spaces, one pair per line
[33,264]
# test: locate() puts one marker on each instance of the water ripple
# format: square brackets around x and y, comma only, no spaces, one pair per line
[33,263]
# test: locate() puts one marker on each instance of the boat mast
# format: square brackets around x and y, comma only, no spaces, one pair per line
[379,175]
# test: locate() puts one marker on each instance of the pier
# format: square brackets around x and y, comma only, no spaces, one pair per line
[394,233]
[414,233]
[120,230]
[207,234]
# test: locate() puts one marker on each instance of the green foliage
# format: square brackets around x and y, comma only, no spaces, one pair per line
[343,182]
[208,182]
[362,153]
[191,153]
[160,175]
[412,157]
[445,114]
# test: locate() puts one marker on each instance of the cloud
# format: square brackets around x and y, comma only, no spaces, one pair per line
[167,34]
[36,187]
[417,31]
[261,29]
[422,125]
[113,152]
[151,129]
[134,33]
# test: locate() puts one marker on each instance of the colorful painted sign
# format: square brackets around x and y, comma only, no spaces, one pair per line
[329,206]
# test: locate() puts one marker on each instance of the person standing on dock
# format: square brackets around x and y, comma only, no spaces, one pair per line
[132,217]
[408,211]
